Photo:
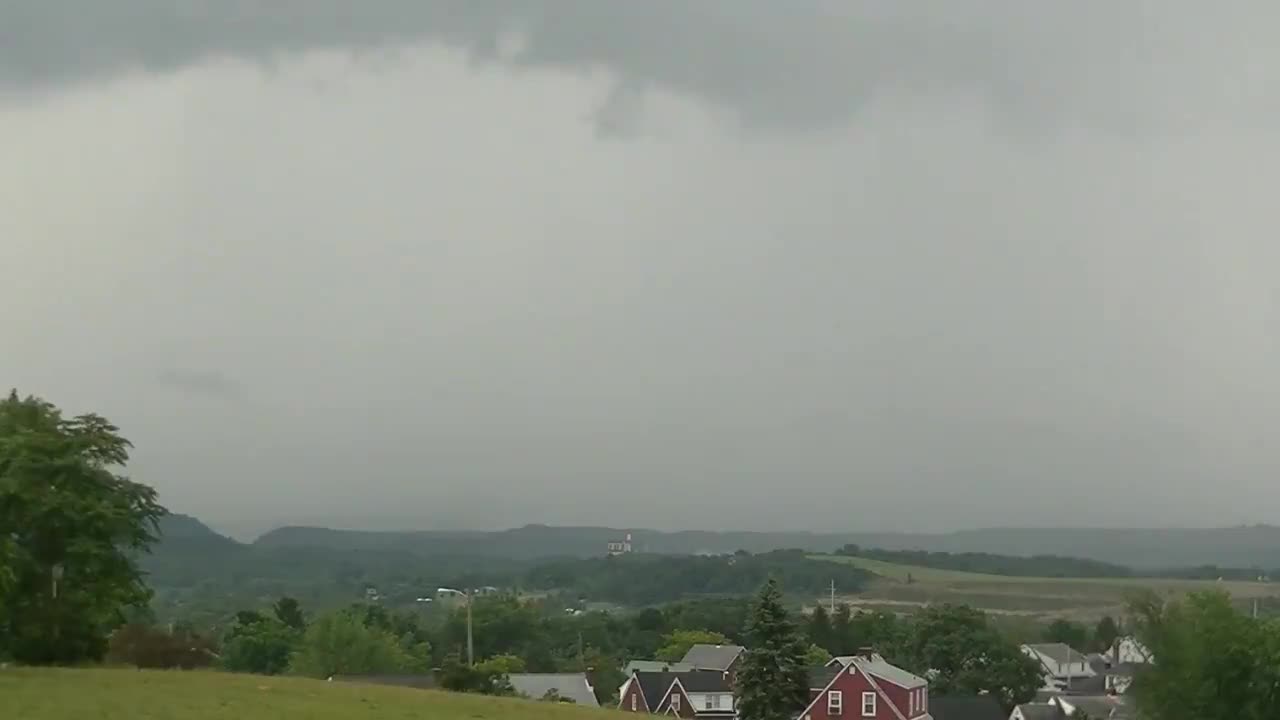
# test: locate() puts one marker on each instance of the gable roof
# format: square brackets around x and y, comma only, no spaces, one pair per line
[569,685]
[874,664]
[966,707]
[712,657]
[703,682]
[636,666]
[654,686]
[1058,652]
[1033,711]
[857,663]
[1100,707]
[821,677]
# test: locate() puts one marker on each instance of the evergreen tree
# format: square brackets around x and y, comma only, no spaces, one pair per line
[842,641]
[820,629]
[773,683]
[1105,634]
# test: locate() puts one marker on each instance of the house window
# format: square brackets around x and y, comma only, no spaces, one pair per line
[712,702]
[835,702]
[675,701]
[911,704]
[868,704]
[633,702]
[924,700]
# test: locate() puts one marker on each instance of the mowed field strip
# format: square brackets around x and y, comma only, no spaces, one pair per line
[103,694]
[1085,598]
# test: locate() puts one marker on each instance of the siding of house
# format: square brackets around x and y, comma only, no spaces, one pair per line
[699,701]
[686,707]
[851,685]
[632,690]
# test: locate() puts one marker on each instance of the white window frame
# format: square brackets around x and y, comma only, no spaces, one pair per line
[712,701]
[835,702]
[633,702]
[868,708]
[911,703]
[675,701]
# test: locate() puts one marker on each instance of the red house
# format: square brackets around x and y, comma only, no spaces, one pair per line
[866,687]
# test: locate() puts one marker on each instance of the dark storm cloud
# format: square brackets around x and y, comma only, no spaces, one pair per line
[1115,65]
[485,263]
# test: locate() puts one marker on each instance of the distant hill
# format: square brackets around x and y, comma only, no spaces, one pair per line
[1249,546]
[178,526]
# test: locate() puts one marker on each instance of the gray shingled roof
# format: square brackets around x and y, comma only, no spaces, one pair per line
[1059,652]
[569,685]
[712,657]
[1101,707]
[881,668]
[636,666]
[966,707]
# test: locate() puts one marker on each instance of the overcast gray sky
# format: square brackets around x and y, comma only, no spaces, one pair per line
[740,264]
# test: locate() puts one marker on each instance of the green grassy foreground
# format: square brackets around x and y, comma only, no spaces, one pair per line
[40,694]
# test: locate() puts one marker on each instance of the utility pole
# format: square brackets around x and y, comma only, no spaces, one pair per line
[833,596]
[471,648]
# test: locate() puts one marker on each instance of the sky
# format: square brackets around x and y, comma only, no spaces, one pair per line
[734,264]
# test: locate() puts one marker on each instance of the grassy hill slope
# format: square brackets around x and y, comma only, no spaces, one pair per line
[31,694]
[1083,598]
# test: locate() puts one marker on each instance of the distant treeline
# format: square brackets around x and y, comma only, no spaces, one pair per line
[649,579]
[1034,566]
[1050,566]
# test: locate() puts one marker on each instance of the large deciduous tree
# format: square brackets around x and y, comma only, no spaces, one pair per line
[71,528]
[1211,661]
[340,643]
[773,682]
[961,653]
[676,645]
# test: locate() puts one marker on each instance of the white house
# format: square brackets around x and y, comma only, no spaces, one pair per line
[1128,650]
[1061,664]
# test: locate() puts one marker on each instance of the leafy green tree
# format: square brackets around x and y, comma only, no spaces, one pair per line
[959,650]
[73,530]
[819,629]
[677,644]
[482,679]
[1105,633]
[880,630]
[339,643]
[260,645]
[773,682]
[1068,633]
[288,611]
[1212,662]
[816,655]
[501,665]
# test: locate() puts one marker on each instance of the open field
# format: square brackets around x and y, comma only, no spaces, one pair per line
[1079,598]
[31,694]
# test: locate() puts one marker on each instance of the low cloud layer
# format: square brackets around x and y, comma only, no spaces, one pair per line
[865,266]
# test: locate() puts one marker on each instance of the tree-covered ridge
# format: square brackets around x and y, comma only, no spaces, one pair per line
[649,579]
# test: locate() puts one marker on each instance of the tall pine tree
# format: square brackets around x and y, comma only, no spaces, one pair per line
[820,629]
[773,683]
